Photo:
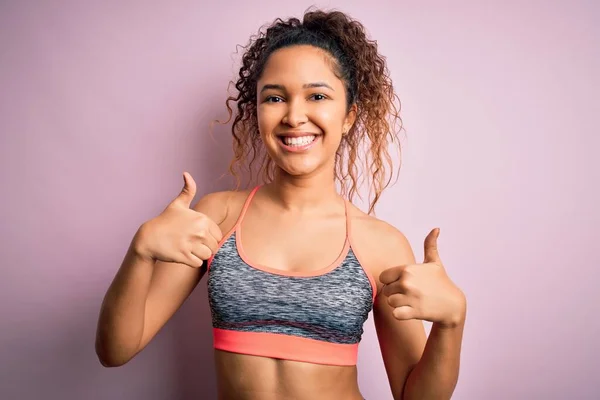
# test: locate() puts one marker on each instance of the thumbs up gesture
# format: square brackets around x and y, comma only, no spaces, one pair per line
[424,291]
[179,234]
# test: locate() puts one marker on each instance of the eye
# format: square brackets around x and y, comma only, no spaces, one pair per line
[273,99]
[318,96]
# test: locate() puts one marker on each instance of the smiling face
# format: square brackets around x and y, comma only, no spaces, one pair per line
[302,110]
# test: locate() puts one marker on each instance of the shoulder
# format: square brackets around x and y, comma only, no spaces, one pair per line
[383,246]
[222,206]
[378,244]
[214,205]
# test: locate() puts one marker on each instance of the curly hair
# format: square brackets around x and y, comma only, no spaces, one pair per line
[367,81]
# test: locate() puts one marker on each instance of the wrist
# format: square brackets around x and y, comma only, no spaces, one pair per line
[139,248]
[457,318]
[451,324]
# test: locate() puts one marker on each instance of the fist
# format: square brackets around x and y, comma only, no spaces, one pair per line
[179,234]
[424,291]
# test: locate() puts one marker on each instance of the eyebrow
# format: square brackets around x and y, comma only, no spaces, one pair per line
[305,86]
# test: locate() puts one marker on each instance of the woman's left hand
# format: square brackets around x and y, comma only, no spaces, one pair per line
[424,291]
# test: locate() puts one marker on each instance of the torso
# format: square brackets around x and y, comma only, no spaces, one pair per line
[304,244]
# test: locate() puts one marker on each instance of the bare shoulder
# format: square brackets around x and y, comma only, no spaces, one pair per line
[222,207]
[214,205]
[383,246]
[378,244]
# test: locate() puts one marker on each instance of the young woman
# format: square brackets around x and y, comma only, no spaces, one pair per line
[293,266]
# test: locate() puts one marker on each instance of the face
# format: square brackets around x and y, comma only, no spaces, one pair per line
[302,110]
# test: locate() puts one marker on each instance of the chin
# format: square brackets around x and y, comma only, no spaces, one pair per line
[298,169]
[298,172]
[300,164]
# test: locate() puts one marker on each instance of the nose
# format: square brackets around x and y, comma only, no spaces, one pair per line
[295,115]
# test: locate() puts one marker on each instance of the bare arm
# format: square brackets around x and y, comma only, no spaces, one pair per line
[436,374]
[145,294]
[417,369]
[401,342]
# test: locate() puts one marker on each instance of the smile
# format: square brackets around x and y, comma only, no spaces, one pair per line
[298,143]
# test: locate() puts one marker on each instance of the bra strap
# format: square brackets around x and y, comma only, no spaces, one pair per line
[347,212]
[246,205]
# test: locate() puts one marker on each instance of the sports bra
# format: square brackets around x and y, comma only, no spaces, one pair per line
[314,316]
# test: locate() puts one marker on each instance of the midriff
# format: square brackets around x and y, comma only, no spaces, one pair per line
[247,377]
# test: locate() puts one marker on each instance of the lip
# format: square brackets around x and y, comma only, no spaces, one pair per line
[297,134]
[298,149]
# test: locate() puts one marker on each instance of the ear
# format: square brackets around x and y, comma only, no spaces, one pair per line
[350,118]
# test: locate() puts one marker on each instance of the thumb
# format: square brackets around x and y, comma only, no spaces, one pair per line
[188,192]
[431,249]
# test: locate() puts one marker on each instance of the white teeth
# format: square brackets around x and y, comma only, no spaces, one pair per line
[298,141]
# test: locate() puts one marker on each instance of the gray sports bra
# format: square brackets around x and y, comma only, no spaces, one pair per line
[315,317]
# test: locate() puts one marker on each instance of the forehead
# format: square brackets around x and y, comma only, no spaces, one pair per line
[298,65]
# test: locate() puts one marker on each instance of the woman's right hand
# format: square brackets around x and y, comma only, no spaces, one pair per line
[179,234]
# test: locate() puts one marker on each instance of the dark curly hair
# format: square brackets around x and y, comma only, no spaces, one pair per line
[368,85]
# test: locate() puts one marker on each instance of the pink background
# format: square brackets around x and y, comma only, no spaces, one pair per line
[104,105]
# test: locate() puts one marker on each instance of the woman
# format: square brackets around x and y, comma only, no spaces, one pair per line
[293,267]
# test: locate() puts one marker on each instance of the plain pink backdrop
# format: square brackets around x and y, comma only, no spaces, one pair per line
[104,104]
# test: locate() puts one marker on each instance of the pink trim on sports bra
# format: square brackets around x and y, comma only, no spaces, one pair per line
[347,246]
[321,271]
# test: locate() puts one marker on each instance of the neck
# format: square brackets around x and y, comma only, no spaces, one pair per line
[304,193]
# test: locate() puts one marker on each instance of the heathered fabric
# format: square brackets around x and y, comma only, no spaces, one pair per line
[331,307]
